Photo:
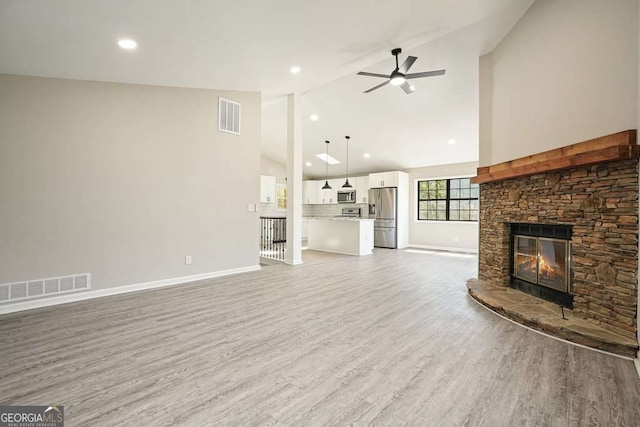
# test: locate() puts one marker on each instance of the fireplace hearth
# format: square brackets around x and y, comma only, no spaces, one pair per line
[541,261]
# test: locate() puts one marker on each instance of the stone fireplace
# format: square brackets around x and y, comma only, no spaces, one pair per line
[563,226]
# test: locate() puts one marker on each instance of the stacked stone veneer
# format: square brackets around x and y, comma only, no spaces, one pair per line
[601,202]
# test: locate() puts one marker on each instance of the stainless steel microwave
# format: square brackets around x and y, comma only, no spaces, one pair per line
[348,196]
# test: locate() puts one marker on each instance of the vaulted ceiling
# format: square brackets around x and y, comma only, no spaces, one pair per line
[251,45]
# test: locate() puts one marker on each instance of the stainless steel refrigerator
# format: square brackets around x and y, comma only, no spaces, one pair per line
[383,206]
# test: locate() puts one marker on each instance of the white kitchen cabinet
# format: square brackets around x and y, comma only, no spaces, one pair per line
[384,179]
[310,192]
[336,185]
[323,194]
[329,197]
[267,189]
[305,227]
[361,185]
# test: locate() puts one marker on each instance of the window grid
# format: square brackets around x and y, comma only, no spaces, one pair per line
[281,197]
[454,199]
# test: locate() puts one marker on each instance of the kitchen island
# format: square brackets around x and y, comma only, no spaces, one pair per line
[351,236]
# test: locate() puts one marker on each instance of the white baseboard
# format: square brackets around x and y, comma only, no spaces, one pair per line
[444,248]
[81,296]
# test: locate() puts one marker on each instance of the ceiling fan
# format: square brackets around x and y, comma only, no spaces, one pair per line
[399,76]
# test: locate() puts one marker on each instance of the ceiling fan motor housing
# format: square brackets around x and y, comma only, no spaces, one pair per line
[397,78]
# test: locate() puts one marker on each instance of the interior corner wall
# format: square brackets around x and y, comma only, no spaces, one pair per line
[123,181]
[484,111]
[271,167]
[567,72]
[449,235]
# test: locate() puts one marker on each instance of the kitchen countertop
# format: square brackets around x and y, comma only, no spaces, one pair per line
[338,218]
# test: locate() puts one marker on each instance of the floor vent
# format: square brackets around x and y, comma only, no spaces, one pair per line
[44,287]
[229,116]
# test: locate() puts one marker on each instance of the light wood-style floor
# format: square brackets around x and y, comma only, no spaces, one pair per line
[388,339]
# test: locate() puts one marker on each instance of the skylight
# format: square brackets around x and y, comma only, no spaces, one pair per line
[327,158]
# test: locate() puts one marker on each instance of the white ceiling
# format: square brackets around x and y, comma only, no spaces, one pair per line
[251,44]
[399,131]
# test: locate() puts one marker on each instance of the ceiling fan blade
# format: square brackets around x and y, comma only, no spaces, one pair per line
[407,64]
[364,73]
[377,87]
[425,74]
[407,88]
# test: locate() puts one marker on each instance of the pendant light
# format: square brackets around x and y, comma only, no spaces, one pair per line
[346,183]
[326,185]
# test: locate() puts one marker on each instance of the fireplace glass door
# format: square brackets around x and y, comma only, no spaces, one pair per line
[552,263]
[543,261]
[526,258]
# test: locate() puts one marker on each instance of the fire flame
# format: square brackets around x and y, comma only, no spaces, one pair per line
[543,266]
[546,268]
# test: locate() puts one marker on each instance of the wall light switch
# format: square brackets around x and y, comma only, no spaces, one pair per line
[251,207]
[187,260]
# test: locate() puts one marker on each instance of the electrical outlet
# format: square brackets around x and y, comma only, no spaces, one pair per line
[187,260]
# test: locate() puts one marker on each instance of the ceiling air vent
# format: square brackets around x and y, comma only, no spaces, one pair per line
[229,116]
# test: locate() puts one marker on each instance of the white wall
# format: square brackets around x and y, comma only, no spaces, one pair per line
[485,89]
[271,167]
[567,72]
[122,181]
[450,235]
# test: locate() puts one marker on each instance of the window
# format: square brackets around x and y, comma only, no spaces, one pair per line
[453,199]
[281,196]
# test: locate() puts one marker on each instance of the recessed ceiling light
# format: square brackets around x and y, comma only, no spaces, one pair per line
[308,164]
[314,117]
[451,141]
[366,155]
[127,44]
[327,158]
[295,69]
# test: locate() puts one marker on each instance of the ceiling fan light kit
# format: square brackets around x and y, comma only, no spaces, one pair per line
[399,76]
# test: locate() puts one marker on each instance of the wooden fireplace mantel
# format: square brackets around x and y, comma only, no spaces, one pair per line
[617,146]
